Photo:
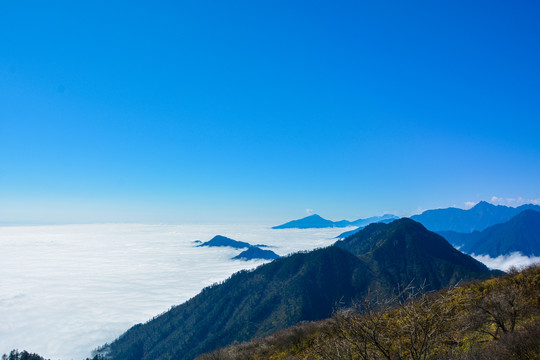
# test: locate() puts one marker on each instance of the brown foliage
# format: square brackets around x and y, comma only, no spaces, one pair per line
[495,319]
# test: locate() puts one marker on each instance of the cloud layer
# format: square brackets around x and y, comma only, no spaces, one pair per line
[513,201]
[505,262]
[68,289]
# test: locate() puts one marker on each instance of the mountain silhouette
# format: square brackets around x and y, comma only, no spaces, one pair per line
[405,251]
[255,252]
[521,233]
[478,218]
[312,221]
[316,221]
[219,240]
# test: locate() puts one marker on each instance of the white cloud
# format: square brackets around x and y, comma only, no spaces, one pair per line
[505,262]
[469,204]
[113,276]
[497,200]
[310,211]
[514,202]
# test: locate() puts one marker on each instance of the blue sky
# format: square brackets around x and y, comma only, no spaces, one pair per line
[202,111]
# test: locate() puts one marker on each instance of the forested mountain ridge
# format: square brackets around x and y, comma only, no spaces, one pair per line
[303,286]
[300,287]
[405,251]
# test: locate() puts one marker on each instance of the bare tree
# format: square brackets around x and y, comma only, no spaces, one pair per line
[406,325]
[501,307]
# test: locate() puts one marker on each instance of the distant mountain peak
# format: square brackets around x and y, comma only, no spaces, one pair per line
[311,221]
[521,233]
[477,218]
[316,221]
[482,204]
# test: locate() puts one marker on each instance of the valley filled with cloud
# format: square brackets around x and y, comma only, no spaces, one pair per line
[67,289]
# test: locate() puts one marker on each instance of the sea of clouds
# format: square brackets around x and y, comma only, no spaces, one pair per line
[66,289]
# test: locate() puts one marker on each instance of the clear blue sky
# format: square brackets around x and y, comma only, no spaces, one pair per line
[214,111]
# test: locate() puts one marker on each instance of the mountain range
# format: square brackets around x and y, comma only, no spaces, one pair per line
[300,287]
[478,218]
[521,233]
[316,221]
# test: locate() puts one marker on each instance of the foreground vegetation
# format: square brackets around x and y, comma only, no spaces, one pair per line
[494,319]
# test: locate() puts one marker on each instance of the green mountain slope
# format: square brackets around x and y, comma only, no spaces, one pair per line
[405,251]
[300,287]
[303,286]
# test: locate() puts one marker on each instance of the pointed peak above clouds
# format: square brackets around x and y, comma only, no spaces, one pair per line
[483,205]
[220,240]
[256,253]
[311,221]
[405,249]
